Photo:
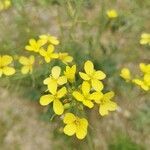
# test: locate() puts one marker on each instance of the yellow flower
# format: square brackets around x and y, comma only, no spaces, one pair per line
[145,68]
[85,97]
[34,45]
[75,125]
[93,76]
[145,39]
[48,55]
[55,79]
[125,74]
[54,97]
[5,4]
[65,58]
[48,38]
[27,64]
[70,73]
[145,83]
[112,14]
[5,60]
[106,104]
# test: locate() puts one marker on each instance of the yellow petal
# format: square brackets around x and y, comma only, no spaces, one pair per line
[88,103]
[85,88]
[24,60]
[103,110]
[78,96]
[47,80]
[62,80]
[96,96]
[97,85]
[42,52]
[70,129]
[50,48]
[56,72]
[8,71]
[52,87]
[62,92]
[99,75]
[69,118]
[109,95]
[6,60]
[84,76]
[58,107]
[32,59]
[46,99]
[89,67]
[112,106]
[25,69]
[53,40]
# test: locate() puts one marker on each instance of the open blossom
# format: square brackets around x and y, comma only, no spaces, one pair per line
[93,76]
[75,125]
[55,79]
[85,96]
[54,97]
[46,38]
[125,74]
[70,73]
[5,61]
[65,58]
[112,14]
[34,45]
[106,104]
[145,39]
[27,64]
[48,54]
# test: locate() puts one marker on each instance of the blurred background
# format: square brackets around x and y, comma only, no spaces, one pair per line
[85,32]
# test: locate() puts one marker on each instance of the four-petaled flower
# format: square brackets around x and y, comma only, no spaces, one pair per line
[106,104]
[112,14]
[48,55]
[54,97]
[93,76]
[65,58]
[5,60]
[85,97]
[34,45]
[55,79]
[75,125]
[27,64]
[70,73]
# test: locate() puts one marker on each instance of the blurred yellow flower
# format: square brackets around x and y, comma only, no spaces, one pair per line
[85,97]
[75,125]
[5,4]
[48,38]
[145,39]
[93,76]
[34,45]
[5,60]
[125,74]
[48,55]
[70,73]
[27,64]
[55,79]
[65,58]
[112,14]
[144,83]
[54,97]
[145,68]
[106,104]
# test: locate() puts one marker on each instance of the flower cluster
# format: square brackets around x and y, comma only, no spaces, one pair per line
[143,80]
[5,4]
[62,87]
